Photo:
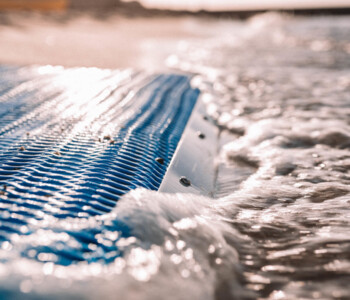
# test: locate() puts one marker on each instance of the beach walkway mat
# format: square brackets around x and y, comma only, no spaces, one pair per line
[73,141]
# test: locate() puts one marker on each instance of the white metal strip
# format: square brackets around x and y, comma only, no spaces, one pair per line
[192,168]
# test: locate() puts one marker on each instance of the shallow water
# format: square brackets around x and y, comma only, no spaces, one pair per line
[278,87]
[281,90]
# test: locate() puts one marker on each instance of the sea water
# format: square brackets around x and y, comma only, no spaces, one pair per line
[278,88]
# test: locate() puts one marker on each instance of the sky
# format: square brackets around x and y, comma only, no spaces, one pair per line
[244,4]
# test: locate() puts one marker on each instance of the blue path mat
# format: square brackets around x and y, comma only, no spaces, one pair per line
[73,141]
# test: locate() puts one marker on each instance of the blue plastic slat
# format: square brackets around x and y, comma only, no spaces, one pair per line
[73,141]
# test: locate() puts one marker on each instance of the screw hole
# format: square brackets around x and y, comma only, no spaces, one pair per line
[201,135]
[185,182]
[160,160]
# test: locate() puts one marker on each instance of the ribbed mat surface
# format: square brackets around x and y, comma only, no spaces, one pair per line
[72,141]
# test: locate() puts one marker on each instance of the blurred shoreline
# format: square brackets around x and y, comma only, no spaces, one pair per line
[97,39]
[125,35]
[136,9]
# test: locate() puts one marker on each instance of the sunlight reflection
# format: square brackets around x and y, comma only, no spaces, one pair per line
[144,263]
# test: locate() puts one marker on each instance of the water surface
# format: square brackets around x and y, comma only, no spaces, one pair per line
[278,87]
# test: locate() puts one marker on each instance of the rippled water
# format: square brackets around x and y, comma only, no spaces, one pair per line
[280,92]
[278,87]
